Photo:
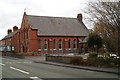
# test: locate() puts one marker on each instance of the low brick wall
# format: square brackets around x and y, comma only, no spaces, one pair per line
[3,54]
[32,54]
[61,59]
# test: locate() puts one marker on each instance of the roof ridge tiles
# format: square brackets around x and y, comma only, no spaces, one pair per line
[51,17]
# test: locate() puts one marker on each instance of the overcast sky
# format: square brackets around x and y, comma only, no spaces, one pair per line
[11,11]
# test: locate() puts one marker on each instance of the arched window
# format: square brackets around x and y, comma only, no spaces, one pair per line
[54,44]
[26,34]
[45,44]
[60,44]
[69,42]
[75,44]
[39,44]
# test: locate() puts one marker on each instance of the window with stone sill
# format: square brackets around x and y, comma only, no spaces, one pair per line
[75,44]
[39,44]
[60,44]
[54,44]
[69,44]
[45,44]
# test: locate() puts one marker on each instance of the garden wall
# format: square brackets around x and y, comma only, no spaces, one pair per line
[61,59]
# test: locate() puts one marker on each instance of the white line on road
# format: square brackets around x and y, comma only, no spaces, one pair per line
[35,78]
[19,70]
[2,64]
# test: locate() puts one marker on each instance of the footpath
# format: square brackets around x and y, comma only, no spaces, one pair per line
[41,59]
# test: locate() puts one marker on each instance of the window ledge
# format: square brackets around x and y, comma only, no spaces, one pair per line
[39,49]
[60,49]
[74,48]
[69,49]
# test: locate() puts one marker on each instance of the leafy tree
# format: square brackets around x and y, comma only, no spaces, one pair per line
[94,41]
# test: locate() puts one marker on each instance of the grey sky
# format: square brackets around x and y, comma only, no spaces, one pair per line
[11,11]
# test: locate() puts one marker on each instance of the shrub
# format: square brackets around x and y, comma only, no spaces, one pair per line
[93,55]
[101,62]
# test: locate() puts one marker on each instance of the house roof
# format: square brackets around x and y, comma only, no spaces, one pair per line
[57,26]
[10,34]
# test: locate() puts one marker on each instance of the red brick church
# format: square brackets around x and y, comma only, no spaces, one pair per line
[44,34]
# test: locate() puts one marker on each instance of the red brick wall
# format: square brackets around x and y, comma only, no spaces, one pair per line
[15,42]
[24,36]
[8,41]
[64,40]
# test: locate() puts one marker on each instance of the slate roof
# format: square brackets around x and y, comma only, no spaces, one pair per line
[57,26]
[10,34]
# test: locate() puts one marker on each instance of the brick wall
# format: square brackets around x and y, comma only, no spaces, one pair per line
[15,42]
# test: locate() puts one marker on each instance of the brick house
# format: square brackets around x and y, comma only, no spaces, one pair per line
[10,42]
[44,34]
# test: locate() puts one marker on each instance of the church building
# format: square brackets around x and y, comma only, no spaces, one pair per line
[49,35]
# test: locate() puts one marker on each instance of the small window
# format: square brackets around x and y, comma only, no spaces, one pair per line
[75,44]
[39,44]
[69,42]
[26,34]
[45,44]
[54,44]
[60,44]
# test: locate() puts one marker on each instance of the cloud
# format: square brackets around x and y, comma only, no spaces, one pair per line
[11,11]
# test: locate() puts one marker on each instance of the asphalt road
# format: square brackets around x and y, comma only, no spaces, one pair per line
[19,68]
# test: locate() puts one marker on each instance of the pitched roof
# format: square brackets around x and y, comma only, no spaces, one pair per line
[57,26]
[10,34]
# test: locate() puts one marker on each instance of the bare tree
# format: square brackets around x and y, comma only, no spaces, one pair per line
[106,18]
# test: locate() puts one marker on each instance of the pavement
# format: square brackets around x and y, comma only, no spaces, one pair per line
[41,59]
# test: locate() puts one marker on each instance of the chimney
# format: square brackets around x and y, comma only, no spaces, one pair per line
[79,17]
[15,28]
[9,31]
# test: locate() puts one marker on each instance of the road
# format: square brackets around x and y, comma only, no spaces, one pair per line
[21,68]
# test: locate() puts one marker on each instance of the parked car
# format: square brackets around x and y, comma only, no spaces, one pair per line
[114,56]
[100,56]
[71,54]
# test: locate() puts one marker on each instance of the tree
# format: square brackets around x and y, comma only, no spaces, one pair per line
[94,41]
[106,19]
[108,36]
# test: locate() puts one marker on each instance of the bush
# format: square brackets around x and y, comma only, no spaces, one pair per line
[101,62]
[92,61]
[76,60]
[93,55]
